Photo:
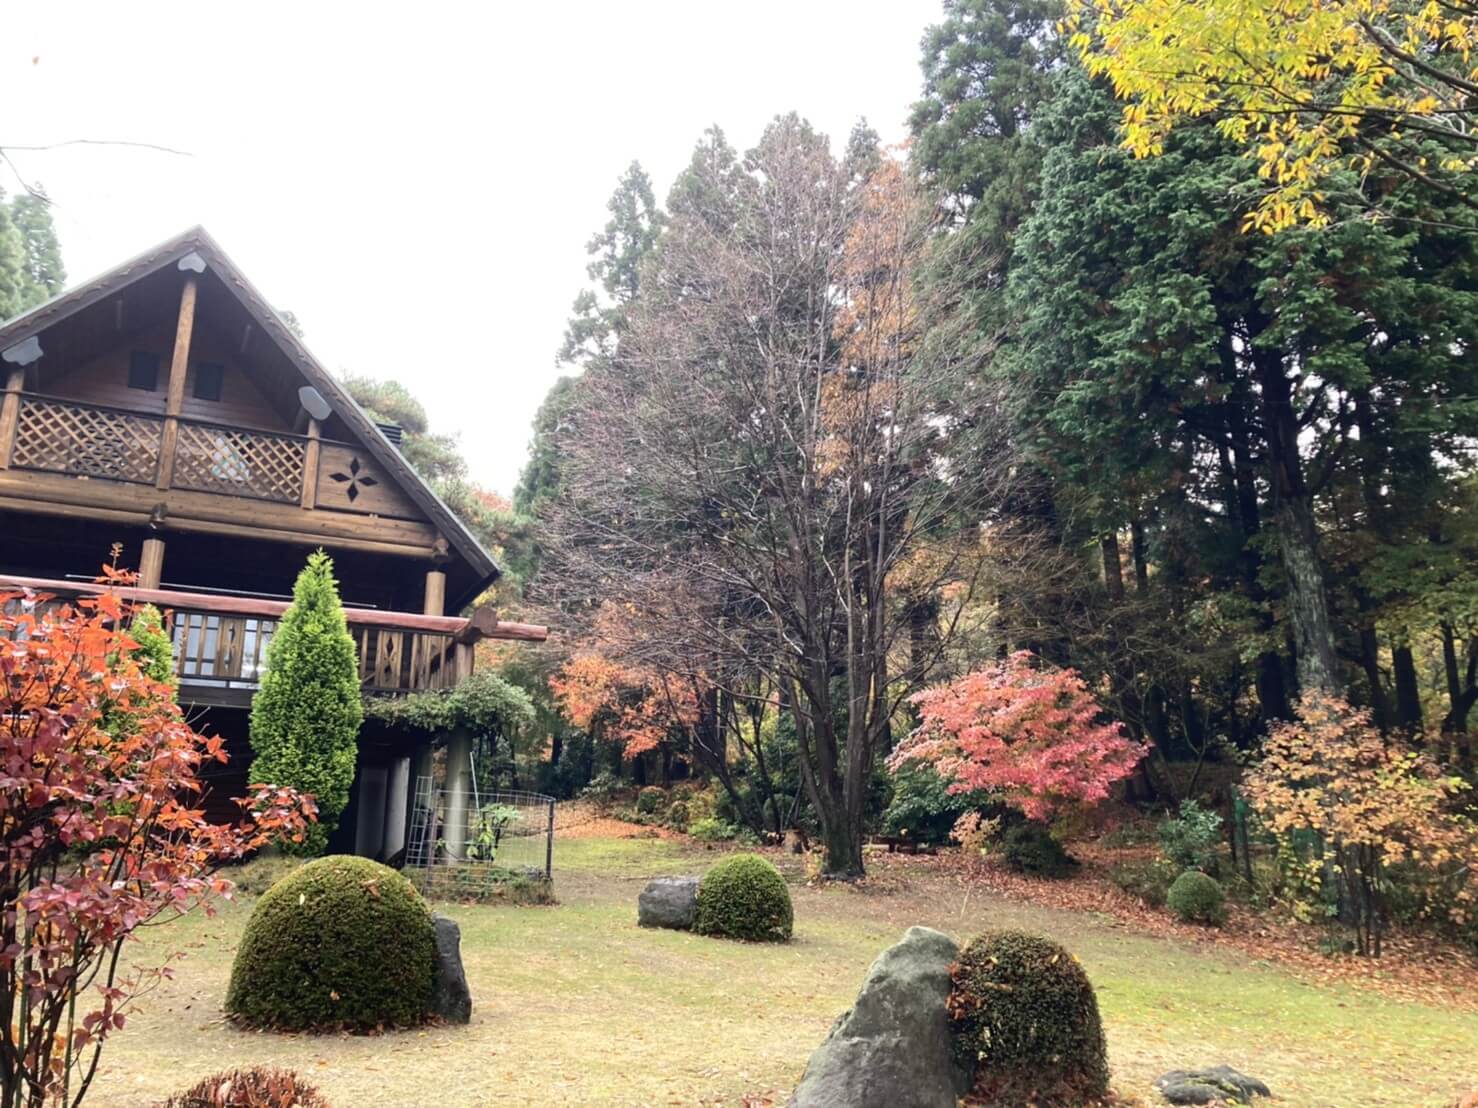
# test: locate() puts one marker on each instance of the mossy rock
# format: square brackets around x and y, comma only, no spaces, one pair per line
[1024,1017]
[1197,898]
[339,943]
[744,897]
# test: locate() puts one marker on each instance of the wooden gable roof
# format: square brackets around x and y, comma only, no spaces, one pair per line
[167,255]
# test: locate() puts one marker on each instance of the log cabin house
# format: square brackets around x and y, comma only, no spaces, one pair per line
[166,406]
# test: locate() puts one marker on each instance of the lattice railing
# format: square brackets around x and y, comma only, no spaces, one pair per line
[85,439]
[240,463]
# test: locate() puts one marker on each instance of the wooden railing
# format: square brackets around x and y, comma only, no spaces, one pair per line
[95,440]
[221,641]
[212,648]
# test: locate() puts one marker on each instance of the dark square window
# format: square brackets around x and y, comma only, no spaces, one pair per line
[143,371]
[208,381]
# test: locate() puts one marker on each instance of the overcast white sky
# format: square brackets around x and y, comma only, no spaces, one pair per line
[417,182]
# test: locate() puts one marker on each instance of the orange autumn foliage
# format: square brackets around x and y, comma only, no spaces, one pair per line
[1375,803]
[624,704]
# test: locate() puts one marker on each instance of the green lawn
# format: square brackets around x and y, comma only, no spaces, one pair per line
[576,1005]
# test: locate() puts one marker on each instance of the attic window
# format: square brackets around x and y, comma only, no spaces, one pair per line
[208,377]
[143,371]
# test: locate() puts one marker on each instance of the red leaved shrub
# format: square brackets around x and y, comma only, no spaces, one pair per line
[259,1087]
[1029,733]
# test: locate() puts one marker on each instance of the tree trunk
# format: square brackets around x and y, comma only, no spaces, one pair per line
[1113,568]
[1272,690]
[1380,703]
[1298,537]
[1307,601]
[1408,689]
[1141,557]
[1462,694]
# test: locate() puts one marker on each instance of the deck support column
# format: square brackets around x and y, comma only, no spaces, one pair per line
[458,789]
[10,412]
[369,822]
[424,766]
[175,399]
[151,563]
[435,603]
[397,804]
[311,453]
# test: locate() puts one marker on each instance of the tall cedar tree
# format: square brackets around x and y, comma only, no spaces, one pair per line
[1168,359]
[306,712]
[31,267]
[1119,327]
[617,255]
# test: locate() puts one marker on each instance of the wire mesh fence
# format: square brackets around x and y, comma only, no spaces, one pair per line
[500,834]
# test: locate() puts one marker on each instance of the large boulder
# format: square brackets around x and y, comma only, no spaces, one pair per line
[668,902]
[892,1048]
[1215,1085]
[451,999]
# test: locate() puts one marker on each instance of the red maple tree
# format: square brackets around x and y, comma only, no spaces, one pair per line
[1031,734]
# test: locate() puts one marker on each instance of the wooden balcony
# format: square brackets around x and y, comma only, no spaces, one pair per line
[230,651]
[93,440]
[220,642]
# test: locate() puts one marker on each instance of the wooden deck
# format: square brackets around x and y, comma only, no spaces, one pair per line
[220,642]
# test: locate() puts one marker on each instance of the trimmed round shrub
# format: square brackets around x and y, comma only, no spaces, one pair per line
[1197,898]
[677,816]
[1030,848]
[649,800]
[259,1087]
[340,943]
[1024,1019]
[744,897]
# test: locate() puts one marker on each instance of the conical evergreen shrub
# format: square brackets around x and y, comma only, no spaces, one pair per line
[306,713]
[155,651]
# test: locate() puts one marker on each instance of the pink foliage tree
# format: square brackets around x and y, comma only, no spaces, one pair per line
[1030,734]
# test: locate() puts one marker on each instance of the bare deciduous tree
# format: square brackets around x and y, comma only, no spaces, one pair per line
[760,473]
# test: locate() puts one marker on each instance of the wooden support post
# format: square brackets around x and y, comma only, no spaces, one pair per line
[310,467]
[151,563]
[435,592]
[10,412]
[175,399]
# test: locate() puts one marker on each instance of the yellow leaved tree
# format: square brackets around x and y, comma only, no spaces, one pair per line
[1308,86]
